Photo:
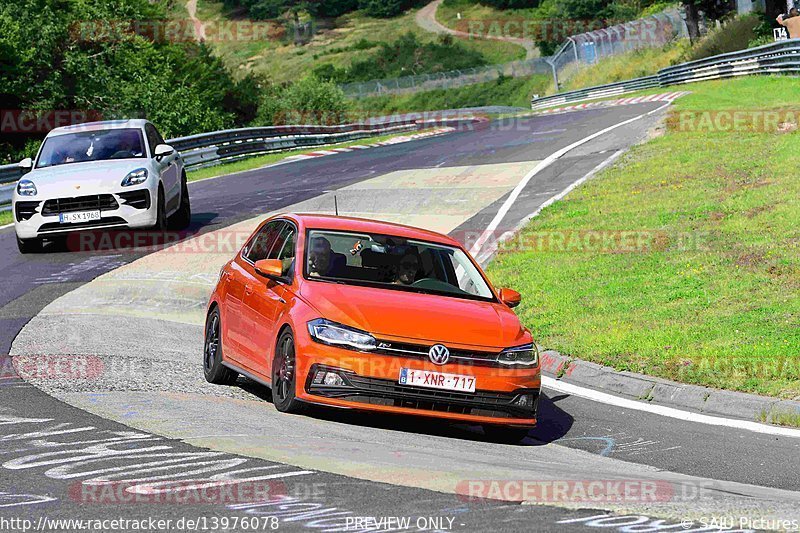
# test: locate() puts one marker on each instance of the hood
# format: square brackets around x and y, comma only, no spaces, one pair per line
[414,316]
[92,176]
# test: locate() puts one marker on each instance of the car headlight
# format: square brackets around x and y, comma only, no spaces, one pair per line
[334,334]
[26,188]
[135,177]
[525,355]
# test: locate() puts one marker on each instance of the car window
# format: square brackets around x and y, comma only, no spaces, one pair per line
[284,249]
[261,245]
[153,138]
[392,262]
[94,145]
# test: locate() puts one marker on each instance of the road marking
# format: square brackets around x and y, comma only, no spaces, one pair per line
[6,226]
[671,412]
[503,211]
[483,257]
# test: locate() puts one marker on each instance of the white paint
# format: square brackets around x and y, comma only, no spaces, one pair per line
[6,226]
[552,158]
[670,412]
[14,500]
[485,255]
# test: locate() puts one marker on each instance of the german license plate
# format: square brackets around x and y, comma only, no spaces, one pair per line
[80,216]
[436,380]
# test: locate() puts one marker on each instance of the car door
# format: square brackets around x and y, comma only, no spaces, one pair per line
[168,169]
[259,249]
[263,303]
[239,279]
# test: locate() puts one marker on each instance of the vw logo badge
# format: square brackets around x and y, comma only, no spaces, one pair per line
[439,354]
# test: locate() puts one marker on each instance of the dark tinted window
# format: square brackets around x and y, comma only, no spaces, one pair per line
[261,245]
[153,138]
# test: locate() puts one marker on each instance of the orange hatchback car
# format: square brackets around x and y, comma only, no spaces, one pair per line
[368,315]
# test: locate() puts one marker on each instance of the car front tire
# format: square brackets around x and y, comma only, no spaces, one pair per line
[213,370]
[161,213]
[284,376]
[183,217]
[29,246]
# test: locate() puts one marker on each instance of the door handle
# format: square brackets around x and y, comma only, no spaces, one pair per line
[248,290]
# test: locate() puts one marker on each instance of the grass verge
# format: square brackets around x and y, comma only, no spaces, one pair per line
[780,419]
[6,218]
[269,159]
[682,260]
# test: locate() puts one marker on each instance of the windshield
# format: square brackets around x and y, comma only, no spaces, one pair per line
[394,263]
[95,145]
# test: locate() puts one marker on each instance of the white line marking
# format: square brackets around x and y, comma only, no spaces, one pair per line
[671,412]
[7,226]
[541,166]
[483,257]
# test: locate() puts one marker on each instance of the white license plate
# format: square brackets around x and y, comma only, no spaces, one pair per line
[81,216]
[437,380]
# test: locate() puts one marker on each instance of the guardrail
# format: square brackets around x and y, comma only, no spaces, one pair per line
[782,57]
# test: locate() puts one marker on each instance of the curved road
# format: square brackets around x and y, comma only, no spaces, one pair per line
[341,466]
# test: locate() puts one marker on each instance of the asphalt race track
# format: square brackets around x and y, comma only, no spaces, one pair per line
[153,417]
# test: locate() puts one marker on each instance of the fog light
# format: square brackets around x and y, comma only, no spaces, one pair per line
[524,400]
[333,379]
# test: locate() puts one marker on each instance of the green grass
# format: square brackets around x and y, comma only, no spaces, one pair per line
[504,91]
[334,44]
[269,159]
[781,419]
[634,64]
[711,295]
[6,218]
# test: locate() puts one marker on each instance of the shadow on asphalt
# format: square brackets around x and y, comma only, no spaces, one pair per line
[554,422]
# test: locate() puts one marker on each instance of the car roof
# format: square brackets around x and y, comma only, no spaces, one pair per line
[331,222]
[100,125]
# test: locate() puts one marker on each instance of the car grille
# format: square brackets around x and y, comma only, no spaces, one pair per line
[421,352]
[103,202]
[136,199]
[375,391]
[25,210]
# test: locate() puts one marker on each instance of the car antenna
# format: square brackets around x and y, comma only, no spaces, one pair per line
[335,205]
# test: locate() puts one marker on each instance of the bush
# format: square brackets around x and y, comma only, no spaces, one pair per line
[405,57]
[308,101]
[734,34]
[182,88]
[386,8]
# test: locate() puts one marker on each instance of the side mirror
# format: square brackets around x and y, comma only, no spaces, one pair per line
[163,150]
[510,297]
[26,164]
[271,268]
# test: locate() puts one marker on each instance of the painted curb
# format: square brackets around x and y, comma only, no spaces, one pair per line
[660,391]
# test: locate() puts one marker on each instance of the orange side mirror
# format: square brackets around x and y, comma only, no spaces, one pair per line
[271,268]
[510,297]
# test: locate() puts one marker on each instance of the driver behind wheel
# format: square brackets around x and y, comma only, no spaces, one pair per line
[323,261]
[407,268]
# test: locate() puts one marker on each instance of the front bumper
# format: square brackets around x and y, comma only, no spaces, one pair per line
[372,384]
[39,217]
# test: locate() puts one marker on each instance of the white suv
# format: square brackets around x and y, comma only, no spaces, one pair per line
[112,174]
